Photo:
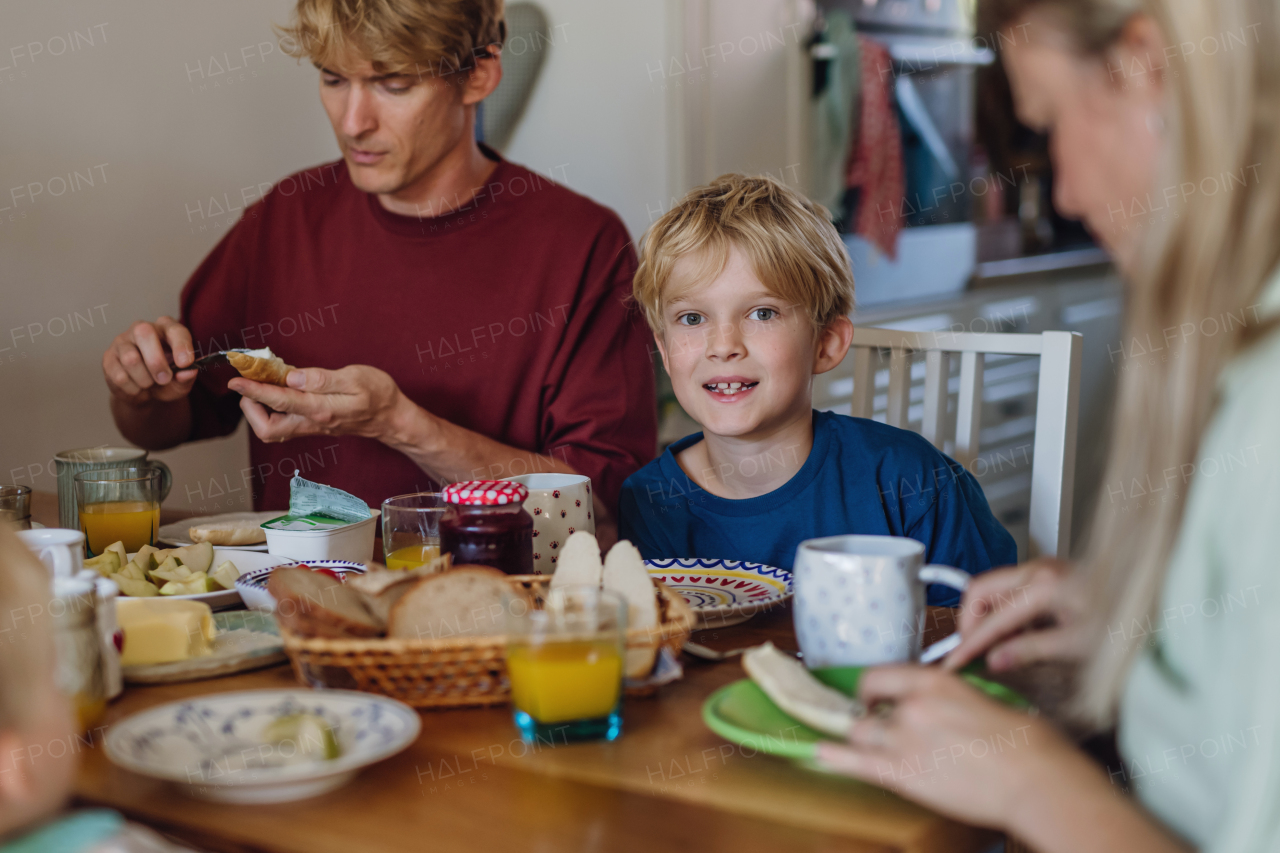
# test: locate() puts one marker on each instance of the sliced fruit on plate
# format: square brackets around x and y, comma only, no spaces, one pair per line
[306,735]
[226,574]
[796,691]
[106,564]
[197,584]
[137,588]
[170,570]
[118,547]
[197,558]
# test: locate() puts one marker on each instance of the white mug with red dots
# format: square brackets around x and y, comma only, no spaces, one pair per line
[560,505]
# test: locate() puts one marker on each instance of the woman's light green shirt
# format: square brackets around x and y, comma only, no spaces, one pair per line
[1200,714]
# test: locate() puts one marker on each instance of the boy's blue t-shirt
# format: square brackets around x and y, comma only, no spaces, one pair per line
[861,477]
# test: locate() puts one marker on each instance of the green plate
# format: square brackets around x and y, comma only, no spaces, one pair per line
[741,712]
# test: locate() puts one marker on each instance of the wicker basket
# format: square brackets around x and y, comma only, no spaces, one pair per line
[453,673]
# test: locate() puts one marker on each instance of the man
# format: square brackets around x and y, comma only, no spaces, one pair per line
[457,315]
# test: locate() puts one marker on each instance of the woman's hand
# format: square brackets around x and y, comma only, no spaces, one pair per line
[949,747]
[1022,614]
[356,400]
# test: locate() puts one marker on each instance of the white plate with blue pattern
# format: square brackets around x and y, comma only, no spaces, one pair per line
[723,592]
[252,586]
[214,749]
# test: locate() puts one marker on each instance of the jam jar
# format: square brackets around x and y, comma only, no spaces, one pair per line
[485,523]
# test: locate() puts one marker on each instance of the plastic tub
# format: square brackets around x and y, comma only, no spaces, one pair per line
[349,542]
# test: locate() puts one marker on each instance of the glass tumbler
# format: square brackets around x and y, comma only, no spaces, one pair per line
[411,529]
[566,665]
[119,505]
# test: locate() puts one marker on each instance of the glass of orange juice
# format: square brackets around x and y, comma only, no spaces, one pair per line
[411,529]
[119,505]
[565,663]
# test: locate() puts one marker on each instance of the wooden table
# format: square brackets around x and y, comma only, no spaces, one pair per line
[469,784]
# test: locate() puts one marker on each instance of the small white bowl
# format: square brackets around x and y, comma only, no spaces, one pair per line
[211,746]
[252,586]
[349,542]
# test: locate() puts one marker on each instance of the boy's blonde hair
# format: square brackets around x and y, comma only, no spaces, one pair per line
[25,628]
[421,37]
[793,248]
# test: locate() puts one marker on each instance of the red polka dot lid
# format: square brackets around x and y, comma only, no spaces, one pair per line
[486,492]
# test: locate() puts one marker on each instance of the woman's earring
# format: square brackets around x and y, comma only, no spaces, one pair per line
[1155,124]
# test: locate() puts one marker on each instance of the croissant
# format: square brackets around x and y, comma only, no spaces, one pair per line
[260,366]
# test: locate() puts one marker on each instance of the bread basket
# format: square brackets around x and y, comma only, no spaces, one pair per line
[452,673]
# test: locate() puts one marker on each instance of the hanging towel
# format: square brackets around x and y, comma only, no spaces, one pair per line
[835,112]
[875,164]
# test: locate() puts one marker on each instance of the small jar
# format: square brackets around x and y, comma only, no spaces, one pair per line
[485,524]
[79,649]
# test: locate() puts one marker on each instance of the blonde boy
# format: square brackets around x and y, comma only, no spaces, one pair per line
[747,289]
[39,744]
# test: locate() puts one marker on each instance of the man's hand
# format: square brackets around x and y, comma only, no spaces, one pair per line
[356,400]
[137,368]
[1023,614]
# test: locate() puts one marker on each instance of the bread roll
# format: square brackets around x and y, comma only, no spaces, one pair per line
[465,602]
[260,366]
[315,604]
[382,587]
[236,528]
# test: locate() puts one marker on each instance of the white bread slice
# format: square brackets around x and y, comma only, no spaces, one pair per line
[382,587]
[579,562]
[795,690]
[464,602]
[315,604]
[626,576]
[233,528]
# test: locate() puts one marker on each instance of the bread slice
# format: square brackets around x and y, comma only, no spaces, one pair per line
[315,604]
[261,366]
[626,576]
[233,528]
[465,602]
[579,562]
[382,587]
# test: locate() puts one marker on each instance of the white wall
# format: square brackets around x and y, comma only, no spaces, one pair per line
[138,111]
[178,111]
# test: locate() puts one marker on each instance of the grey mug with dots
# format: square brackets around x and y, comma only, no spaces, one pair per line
[859,600]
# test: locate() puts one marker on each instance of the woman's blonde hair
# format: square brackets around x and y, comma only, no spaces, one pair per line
[1210,262]
[793,248]
[420,37]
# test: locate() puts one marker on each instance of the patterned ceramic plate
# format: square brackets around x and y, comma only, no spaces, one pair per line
[723,592]
[215,747]
[252,586]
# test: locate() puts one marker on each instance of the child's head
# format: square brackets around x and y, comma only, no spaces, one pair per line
[37,754]
[748,288]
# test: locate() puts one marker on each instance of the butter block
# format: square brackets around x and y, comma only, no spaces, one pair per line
[163,631]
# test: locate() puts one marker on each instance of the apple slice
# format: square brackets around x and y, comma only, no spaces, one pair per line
[136,588]
[226,574]
[197,558]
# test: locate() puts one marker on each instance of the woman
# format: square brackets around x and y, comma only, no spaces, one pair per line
[1164,117]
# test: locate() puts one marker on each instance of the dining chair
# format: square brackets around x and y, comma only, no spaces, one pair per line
[1057,406]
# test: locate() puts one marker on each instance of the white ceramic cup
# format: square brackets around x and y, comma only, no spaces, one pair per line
[560,504]
[859,600]
[61,550]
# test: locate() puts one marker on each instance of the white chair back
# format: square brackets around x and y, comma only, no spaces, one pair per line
[1057,407]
